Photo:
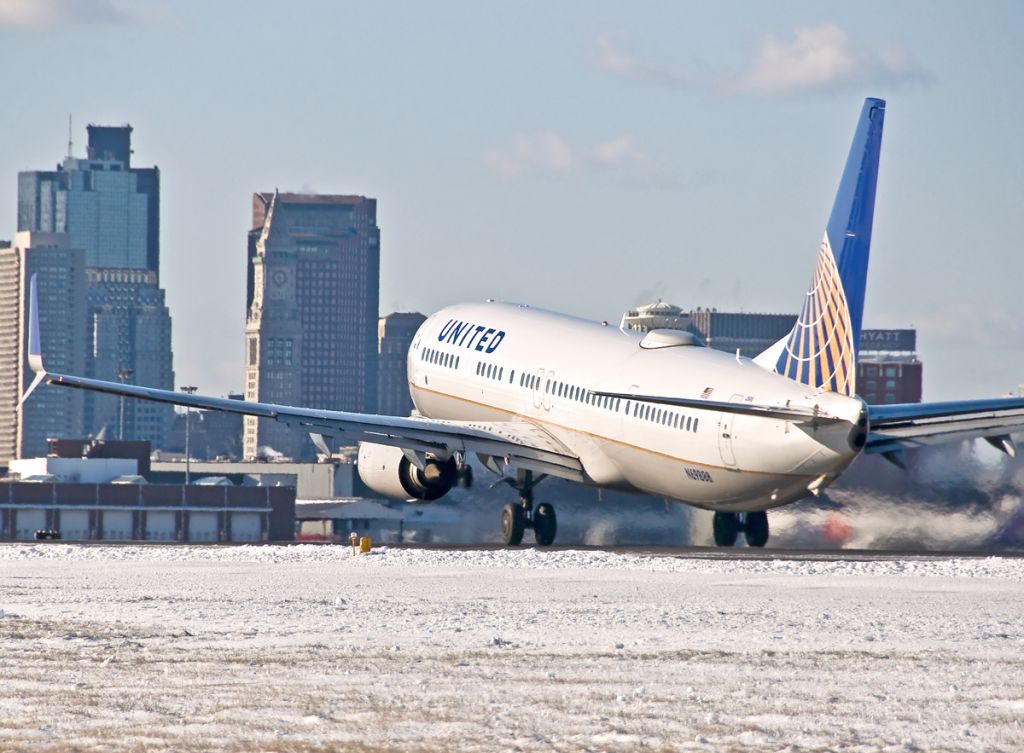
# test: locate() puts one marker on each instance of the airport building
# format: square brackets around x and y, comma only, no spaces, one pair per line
[83,491]
[728,331]
[395,333]
[659,315]
[888,369]
[110,211]
[311,328]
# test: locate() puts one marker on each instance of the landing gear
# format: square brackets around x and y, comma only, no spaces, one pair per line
[727,526]
[545,524]
[513,523]
[516,518]
[755,528]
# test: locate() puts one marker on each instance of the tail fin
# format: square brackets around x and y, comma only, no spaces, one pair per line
[821,349]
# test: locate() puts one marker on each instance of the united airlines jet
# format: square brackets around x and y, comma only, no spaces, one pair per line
[536,394]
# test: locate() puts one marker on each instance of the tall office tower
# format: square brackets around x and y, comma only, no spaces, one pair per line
[394,336]
[49,412]
[111,211]
[130,330]
[311,340]
[106,206]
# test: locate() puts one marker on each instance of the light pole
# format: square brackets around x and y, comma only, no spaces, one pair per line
[123,374]
[190,389]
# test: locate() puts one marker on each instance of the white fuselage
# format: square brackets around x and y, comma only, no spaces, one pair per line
[499,362]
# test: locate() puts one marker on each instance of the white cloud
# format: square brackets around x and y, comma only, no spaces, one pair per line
[821,58]
[610,57]
[549,153]
[44,15]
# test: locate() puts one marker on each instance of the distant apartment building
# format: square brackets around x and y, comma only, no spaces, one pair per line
[395,333]
[312,309]
[60,281]
[888,369]
[111,211]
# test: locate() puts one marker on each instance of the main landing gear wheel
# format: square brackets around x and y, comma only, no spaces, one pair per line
[513,523]
[755,528]
[545,525]
[727,527]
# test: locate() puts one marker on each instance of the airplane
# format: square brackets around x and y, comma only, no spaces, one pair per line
[537,394]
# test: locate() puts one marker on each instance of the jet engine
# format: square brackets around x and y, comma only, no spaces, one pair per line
[388,471]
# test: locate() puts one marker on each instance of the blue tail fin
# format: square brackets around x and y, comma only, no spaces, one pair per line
[821,349]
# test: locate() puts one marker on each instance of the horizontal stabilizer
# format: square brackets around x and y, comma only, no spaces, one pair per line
[906,425]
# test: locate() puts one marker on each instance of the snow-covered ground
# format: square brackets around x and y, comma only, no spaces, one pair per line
[307,648]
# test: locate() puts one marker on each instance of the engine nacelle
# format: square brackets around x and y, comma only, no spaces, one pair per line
[388,471]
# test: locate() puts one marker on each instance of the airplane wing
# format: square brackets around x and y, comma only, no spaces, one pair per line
[518,442]
[908,425]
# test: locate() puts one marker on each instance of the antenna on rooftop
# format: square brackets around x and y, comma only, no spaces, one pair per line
[69,136]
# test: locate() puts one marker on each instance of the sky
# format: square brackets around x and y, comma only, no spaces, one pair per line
[579,156]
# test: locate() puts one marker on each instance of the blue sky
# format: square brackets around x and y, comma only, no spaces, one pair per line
[585,156]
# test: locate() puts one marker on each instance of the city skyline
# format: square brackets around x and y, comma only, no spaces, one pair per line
[581,158]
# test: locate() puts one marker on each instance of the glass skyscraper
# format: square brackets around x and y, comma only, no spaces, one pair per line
[111,211]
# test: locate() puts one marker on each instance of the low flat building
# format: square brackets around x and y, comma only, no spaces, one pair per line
[146,512]
[334,520]
[336,478]
[80,493]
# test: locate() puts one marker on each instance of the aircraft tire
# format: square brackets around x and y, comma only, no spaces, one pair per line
[513,523]
[545,524]
[755,528]
[726,526]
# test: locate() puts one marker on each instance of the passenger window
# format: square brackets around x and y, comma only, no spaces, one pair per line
[695,424]
[501,373]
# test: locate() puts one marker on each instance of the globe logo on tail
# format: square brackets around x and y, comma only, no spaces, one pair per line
[819,351]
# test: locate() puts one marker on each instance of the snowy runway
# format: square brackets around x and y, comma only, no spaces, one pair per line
[308,648]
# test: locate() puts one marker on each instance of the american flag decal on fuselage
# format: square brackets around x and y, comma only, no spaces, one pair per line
[819,351]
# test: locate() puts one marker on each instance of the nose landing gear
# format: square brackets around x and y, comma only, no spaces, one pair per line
[517,517]
[754,525]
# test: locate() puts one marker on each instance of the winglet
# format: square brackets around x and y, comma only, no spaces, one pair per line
[35,348]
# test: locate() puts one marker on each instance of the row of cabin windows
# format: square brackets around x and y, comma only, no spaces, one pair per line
[580,394]
[440,358]
[665,417]
[490,371]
